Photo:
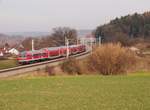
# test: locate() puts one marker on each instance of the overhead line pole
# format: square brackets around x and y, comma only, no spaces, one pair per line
[67,46]
[98,40]
[32,45]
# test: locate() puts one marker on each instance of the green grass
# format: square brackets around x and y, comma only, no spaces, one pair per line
[76,93]
[4,64]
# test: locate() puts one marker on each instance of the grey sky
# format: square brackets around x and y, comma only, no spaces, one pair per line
[43,15]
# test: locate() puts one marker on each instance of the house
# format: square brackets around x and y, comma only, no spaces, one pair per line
[18,47]
[14,51]
[1,54]
[4,52]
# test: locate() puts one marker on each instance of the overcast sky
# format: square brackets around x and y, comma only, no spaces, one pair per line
[43,15]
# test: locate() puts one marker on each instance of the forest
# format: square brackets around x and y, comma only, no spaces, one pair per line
[126,29]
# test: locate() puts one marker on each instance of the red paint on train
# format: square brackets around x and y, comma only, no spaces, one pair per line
[49,53]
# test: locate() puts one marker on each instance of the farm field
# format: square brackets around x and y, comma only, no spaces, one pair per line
[76,93]
[4,64]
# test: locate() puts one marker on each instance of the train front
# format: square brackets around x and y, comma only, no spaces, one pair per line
[22,58]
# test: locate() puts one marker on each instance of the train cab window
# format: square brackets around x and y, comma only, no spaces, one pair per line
[23,55]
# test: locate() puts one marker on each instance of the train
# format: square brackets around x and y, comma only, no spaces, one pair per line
[28,57]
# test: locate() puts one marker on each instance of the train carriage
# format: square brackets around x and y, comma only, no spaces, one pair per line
[32,56]
[48,53]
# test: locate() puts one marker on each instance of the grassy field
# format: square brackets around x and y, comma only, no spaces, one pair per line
[4,64]
[76,93]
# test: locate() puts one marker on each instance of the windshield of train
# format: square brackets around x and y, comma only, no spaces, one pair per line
[22,54]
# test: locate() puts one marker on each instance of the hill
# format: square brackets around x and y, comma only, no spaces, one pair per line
[81,33]
[29,34]
[11,40]
[126,28]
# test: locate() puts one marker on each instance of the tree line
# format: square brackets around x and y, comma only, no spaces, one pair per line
[125,29]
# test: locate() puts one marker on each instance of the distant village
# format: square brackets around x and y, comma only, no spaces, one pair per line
[7,50]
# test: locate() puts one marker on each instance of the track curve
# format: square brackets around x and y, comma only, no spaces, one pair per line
[33,67]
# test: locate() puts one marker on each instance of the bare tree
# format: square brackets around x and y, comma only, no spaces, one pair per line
[61,33]
[57,38]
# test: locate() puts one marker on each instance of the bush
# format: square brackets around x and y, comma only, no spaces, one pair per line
[50,70]
[71,66]
[110,59]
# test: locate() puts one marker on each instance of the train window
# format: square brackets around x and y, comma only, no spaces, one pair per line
[22,55]
[36,55]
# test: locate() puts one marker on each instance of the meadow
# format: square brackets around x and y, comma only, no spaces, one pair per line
[130,92]
[4,64]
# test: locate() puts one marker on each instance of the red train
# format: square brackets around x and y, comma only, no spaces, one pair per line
[27,57]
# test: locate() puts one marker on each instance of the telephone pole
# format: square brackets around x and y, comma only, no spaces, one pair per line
[100,40]
[67,46]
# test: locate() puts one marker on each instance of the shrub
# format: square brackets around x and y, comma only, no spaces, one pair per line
[110,59]
[50,70]
[71,66]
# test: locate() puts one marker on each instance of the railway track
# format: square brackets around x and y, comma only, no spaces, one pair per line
[33,67]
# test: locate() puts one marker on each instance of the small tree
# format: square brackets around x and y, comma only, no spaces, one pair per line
[71,66]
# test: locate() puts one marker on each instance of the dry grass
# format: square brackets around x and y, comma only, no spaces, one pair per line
[143,64]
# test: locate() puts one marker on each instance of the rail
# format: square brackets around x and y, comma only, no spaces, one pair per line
[32,67]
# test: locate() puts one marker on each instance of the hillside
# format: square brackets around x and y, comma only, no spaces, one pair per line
[126,28]
[81,33]
[11,40]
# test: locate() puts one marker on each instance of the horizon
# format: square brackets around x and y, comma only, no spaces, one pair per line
[44,15]
[40,33]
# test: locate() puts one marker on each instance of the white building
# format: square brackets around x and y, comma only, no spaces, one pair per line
[1,54]
[14,51]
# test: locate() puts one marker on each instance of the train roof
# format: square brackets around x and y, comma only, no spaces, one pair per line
[53,48]
[32,52]
[24,52]
[73,45]
[49,48]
